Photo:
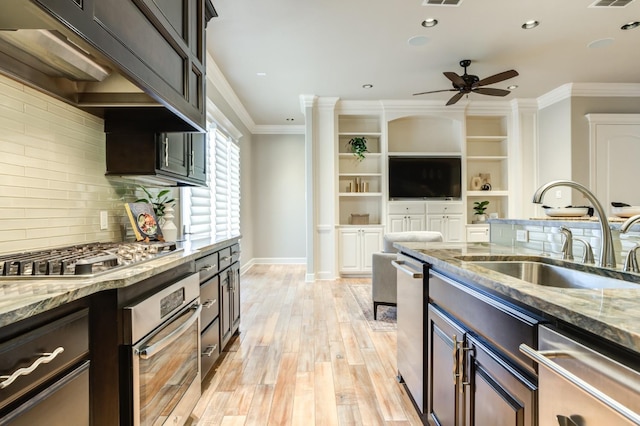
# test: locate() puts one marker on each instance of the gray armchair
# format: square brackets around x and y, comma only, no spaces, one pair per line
[383,279]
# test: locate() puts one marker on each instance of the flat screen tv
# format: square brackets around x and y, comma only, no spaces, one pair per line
[425,177]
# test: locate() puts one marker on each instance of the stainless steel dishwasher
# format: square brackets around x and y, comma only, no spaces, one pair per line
[579,386]
[411,323]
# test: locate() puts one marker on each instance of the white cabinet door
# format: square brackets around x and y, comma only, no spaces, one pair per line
[396,222]
[437,223]
[454,227]
[405,223]
[356,245]
[415,222]
[349,246]
[450,226]
[371,243]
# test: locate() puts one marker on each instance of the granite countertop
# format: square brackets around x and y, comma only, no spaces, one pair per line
[24,297]
[613,314]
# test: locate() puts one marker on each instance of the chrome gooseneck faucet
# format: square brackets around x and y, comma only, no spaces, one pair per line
[607,252]
[631,262]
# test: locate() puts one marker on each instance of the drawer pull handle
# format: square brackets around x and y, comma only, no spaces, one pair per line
[209,303]
[209,350]
[224,259]
[166,152]
[44,359]
[207,267]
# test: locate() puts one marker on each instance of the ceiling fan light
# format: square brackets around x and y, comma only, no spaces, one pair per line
[512,87]
[530,24]
[429,22]
[631,25]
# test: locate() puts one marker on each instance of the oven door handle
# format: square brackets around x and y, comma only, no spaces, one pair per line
[149,351]
[542,358]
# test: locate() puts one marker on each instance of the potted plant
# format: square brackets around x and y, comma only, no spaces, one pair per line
[159,202]
[479,207]
[358,146]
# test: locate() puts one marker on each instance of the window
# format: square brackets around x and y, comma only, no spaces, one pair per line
[215,211]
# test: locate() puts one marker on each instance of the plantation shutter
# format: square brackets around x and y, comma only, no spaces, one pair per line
[198,203]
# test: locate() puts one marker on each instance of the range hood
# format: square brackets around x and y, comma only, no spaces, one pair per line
[39,51]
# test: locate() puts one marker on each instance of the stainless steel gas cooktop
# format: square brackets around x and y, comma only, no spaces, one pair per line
[81,260]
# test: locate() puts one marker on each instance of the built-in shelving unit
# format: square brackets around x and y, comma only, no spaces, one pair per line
[487,153]
[359,181]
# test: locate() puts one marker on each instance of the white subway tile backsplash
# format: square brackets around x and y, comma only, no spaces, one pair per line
[52,165]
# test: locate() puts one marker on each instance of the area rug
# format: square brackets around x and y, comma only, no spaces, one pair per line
[386,314]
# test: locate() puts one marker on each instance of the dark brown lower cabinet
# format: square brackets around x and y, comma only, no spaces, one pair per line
[471,383]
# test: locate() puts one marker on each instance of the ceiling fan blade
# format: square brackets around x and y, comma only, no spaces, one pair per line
[455,98]
[497,78]
[436,91]
[455,78]
[491,91]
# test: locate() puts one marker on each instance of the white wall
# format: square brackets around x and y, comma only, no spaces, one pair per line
[52,165]
[278,197]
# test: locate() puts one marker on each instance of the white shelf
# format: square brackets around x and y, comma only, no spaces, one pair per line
[360,194]
[499,138]
[426,154]
[486,157]
[492,193]
[370,134]
[360,174]
[366,154]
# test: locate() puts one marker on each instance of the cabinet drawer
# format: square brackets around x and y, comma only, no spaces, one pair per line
[65,402]
[224,257]
[444,208]
[407,208]
[66,341]
[210,302]
[210,344]
[235,253]
[207,266]
[477,233]
[500,324]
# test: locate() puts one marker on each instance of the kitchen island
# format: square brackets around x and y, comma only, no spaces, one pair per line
[492,331]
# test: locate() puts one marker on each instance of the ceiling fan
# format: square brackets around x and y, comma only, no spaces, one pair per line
[468,83]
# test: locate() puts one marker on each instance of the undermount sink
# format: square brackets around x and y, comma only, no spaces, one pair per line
[553,275]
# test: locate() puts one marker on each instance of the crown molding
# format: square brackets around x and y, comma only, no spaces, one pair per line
[214,114]
[327,102]
[358,107]
[615,90]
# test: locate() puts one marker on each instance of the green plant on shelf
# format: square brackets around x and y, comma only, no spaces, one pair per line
[480,207]
[358,147]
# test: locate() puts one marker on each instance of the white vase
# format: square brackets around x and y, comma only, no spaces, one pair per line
[169,229]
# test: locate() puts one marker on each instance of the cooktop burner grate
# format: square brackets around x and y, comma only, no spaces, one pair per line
[83,259]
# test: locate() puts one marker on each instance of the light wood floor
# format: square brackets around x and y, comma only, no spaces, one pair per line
[305,356]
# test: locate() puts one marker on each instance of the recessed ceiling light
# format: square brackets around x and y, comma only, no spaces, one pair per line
[512,87]
[603,42]
[367,86]
[261,74]
[631,25]
[429,22]
[417,41]
[530,24]
[289,119]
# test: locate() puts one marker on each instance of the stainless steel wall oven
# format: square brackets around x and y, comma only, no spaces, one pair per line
[162,352]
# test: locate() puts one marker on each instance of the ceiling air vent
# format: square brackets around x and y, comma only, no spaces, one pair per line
[441,2]
[611,3]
